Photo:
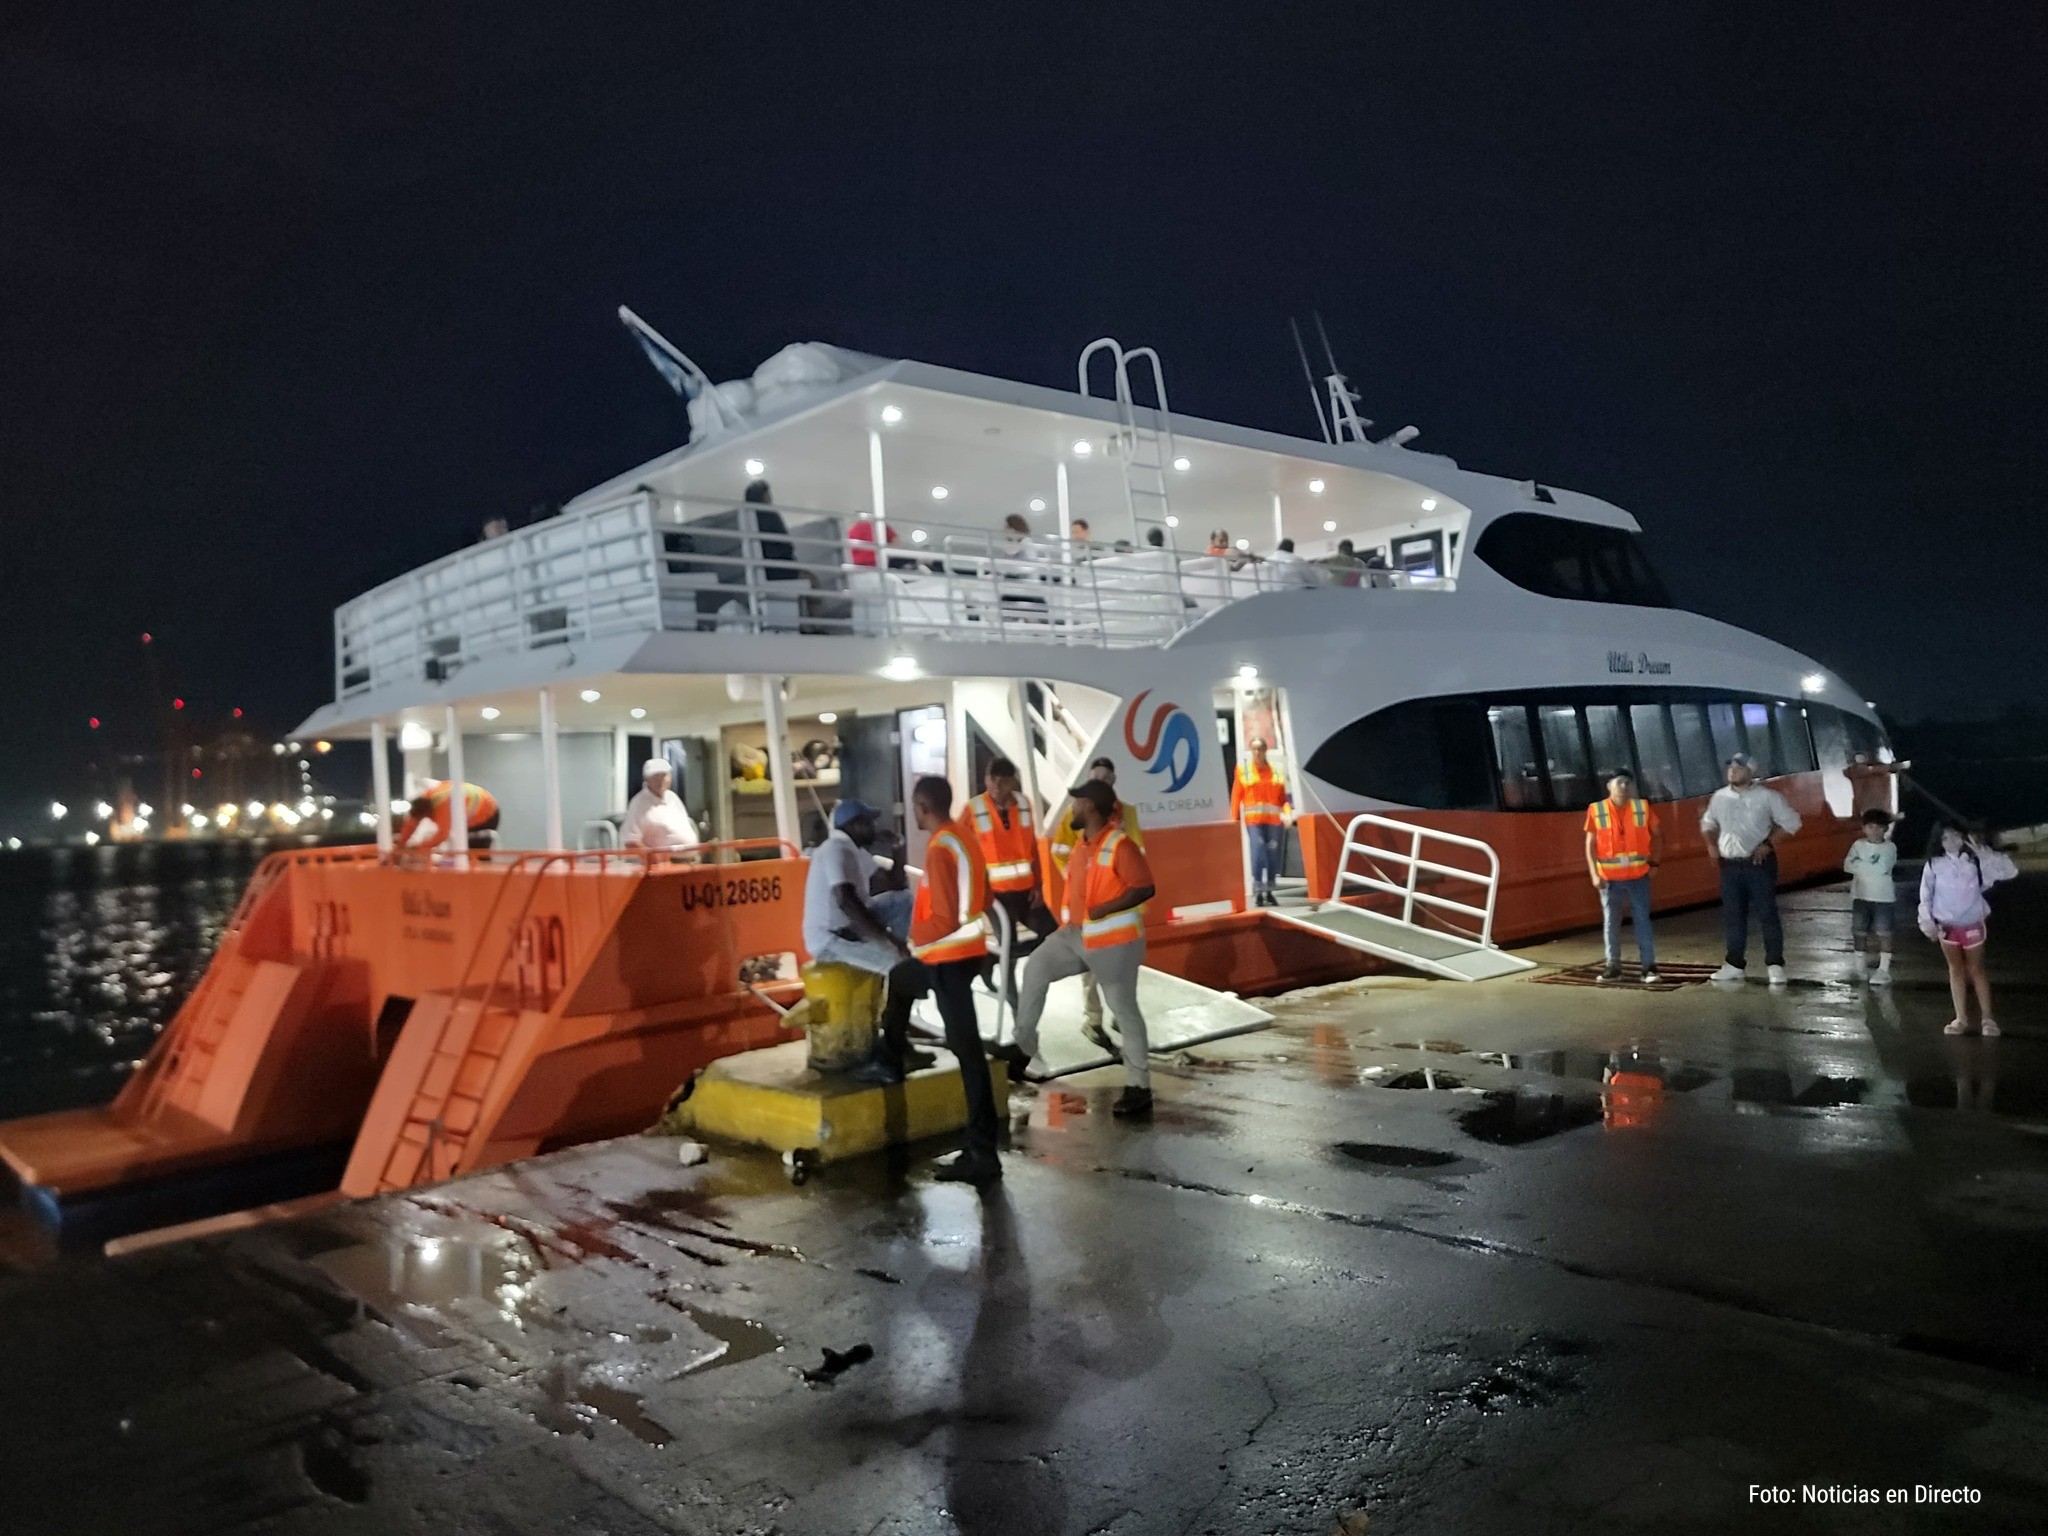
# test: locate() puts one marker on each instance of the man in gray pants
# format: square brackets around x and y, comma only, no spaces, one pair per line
[1102,933]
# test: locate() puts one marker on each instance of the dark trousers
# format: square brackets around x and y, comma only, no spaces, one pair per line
[1747,888]
[1031,921]
[907,983]
[952,988]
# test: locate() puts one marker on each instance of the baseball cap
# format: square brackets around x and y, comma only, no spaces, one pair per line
[1741,760]
[850,810]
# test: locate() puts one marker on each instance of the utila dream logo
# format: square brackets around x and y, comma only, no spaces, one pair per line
[1171,745]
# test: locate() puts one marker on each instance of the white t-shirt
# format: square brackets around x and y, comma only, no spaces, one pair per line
[1870,870]
[834,862]
[652,823]
[1740,819]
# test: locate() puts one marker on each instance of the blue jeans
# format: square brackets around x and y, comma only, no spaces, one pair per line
[1630,897]
[893,908]
[1746,888]
[1269,850]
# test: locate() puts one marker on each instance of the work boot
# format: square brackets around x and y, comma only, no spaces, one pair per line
[969,1169]
[1133,1104]
[1099,1038]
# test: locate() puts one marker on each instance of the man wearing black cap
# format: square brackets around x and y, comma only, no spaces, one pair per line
[1741,820]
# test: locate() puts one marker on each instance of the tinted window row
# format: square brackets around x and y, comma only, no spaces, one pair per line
[1562,557]
[1546,751]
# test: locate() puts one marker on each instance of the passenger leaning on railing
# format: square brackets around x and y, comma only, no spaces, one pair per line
[427,821]
[656,818]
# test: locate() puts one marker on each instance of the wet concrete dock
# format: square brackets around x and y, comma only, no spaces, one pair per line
[1517,1256]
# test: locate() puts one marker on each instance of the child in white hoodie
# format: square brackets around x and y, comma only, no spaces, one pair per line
[1954,913]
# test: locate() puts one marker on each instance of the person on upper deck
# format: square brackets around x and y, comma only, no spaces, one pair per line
[1259,799]
[860,541]
[1742,819]
[656,818]
[427,822]
[1870,784]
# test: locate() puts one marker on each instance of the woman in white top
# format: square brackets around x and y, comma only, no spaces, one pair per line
[655,817]
[1954,913]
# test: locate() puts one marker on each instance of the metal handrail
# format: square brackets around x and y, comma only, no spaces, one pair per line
[1415,864]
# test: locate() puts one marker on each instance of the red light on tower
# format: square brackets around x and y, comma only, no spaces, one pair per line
[238,714]
[177,703]
[195,773]
[94,722]
[147,637]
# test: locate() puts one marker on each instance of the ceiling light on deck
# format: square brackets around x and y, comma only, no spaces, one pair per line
[1082,448]
[918,535]
[1315,487]
[1172,521]
[1813,682]
[637,713]
[489,711]
[1244,543]
[590,695]
[756,467]
[1247,673]
[1329,526]
[414,737]
[1429,503]
[827,717]
[1181,464]
[1038,503]
[900,669]
[891,414]
[940,493]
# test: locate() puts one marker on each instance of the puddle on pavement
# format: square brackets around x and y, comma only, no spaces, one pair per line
[1773,1085]
[431,1271]
[1540,1372]
[1979,1089]
[1424,1079]
[573,1402]
[1516,1118]
[1381,1155]
[739,1338]
[1441,1047]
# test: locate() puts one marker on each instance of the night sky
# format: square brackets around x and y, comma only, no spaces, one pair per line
[293,297]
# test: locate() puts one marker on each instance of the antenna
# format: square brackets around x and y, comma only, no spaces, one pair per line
[1315,395]
[1345,422]
[1325,335]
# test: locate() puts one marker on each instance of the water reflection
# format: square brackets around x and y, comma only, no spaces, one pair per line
[97,949]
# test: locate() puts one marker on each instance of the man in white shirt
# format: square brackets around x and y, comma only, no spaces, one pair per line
[1741,820]
[845,925]
[655,818]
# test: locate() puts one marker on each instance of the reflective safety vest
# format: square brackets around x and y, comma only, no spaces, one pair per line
[1060,847]
[1092,879]
[1258,799]
[1009,850]
[1621,844]
[478,804]
[946,921]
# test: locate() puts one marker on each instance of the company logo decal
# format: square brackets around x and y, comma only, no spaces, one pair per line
[1171,744]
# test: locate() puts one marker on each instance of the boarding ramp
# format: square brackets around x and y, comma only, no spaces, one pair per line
[1374,861]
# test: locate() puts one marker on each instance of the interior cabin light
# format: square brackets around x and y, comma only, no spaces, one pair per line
[1244,543]
[637,713]
[1329,526]
[918,535]
[490,712]
[1083,448]
[901,668]
[827,717]
[891,414]
[1172,521]
[1429,503]
[1181,464]
[590,695]
[1247,674]
[1038,503]
[1315,487]
[940,493]
[756,467]
[1813,682]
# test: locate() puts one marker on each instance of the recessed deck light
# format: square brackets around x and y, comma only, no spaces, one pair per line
[590,695]
[827,717]
[918,535]
[1429,503]
[1083,448]
[901,668]
[489,712]
[940,493]
[1038,503]
[1244,543]
[1813,682]
[1315,487]
[756,467]
[891,414]
[1329,526]
[1181,464]
[1247,674]
[1172,521]
[637,714]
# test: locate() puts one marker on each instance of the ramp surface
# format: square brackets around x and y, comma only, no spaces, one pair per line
[1438,954]
[1178,1013]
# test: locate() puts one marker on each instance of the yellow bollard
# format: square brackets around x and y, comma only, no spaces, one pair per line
[844,1004]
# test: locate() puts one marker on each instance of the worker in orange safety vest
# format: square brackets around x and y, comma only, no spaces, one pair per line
[949,933]
[1060,847]
[1259,799]
[427,818]
[1007,833]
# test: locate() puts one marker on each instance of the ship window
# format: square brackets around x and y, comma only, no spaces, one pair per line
[1656,753]
[1420,554]
[1611,748]
[1564,751]
[1795,747]
[1561,557]
[1725,720]
[1830,736]
[1756,738]
[1426,753]
[1696,752]
[1521,776]
[1863,736]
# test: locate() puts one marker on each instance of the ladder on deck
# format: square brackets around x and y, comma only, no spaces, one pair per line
[1452,953]
[1146,449]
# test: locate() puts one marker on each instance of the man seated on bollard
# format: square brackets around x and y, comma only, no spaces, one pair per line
[949,935]
[844,925]
[1062,849]
[1108,883]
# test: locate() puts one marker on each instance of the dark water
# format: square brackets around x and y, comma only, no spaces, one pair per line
[98,946]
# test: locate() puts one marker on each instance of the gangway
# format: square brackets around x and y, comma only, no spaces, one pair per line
[1440,951]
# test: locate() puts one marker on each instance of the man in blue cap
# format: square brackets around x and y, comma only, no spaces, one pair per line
[846,925]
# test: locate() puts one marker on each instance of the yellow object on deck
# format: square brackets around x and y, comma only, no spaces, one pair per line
[844,1003]
[771,1098]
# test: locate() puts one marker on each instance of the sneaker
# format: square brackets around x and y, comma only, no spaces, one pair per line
[1955,1027]
[1652,977]
[1729,973]
[1778,976]
[1880,978]
[1610,972]
[1094,1034]
[1038,1070]
[968,1169]
[1133,1104]
[1989,1029]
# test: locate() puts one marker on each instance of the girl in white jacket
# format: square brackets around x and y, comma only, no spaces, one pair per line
[1954,913]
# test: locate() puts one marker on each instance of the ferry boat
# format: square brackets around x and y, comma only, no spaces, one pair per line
[907,591]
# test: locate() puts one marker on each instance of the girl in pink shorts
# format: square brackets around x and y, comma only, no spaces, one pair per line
[1954,913]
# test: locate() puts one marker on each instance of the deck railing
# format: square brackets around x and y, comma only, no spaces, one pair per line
[650,562]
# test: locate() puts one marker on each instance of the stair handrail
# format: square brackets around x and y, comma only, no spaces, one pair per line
[1415,864]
